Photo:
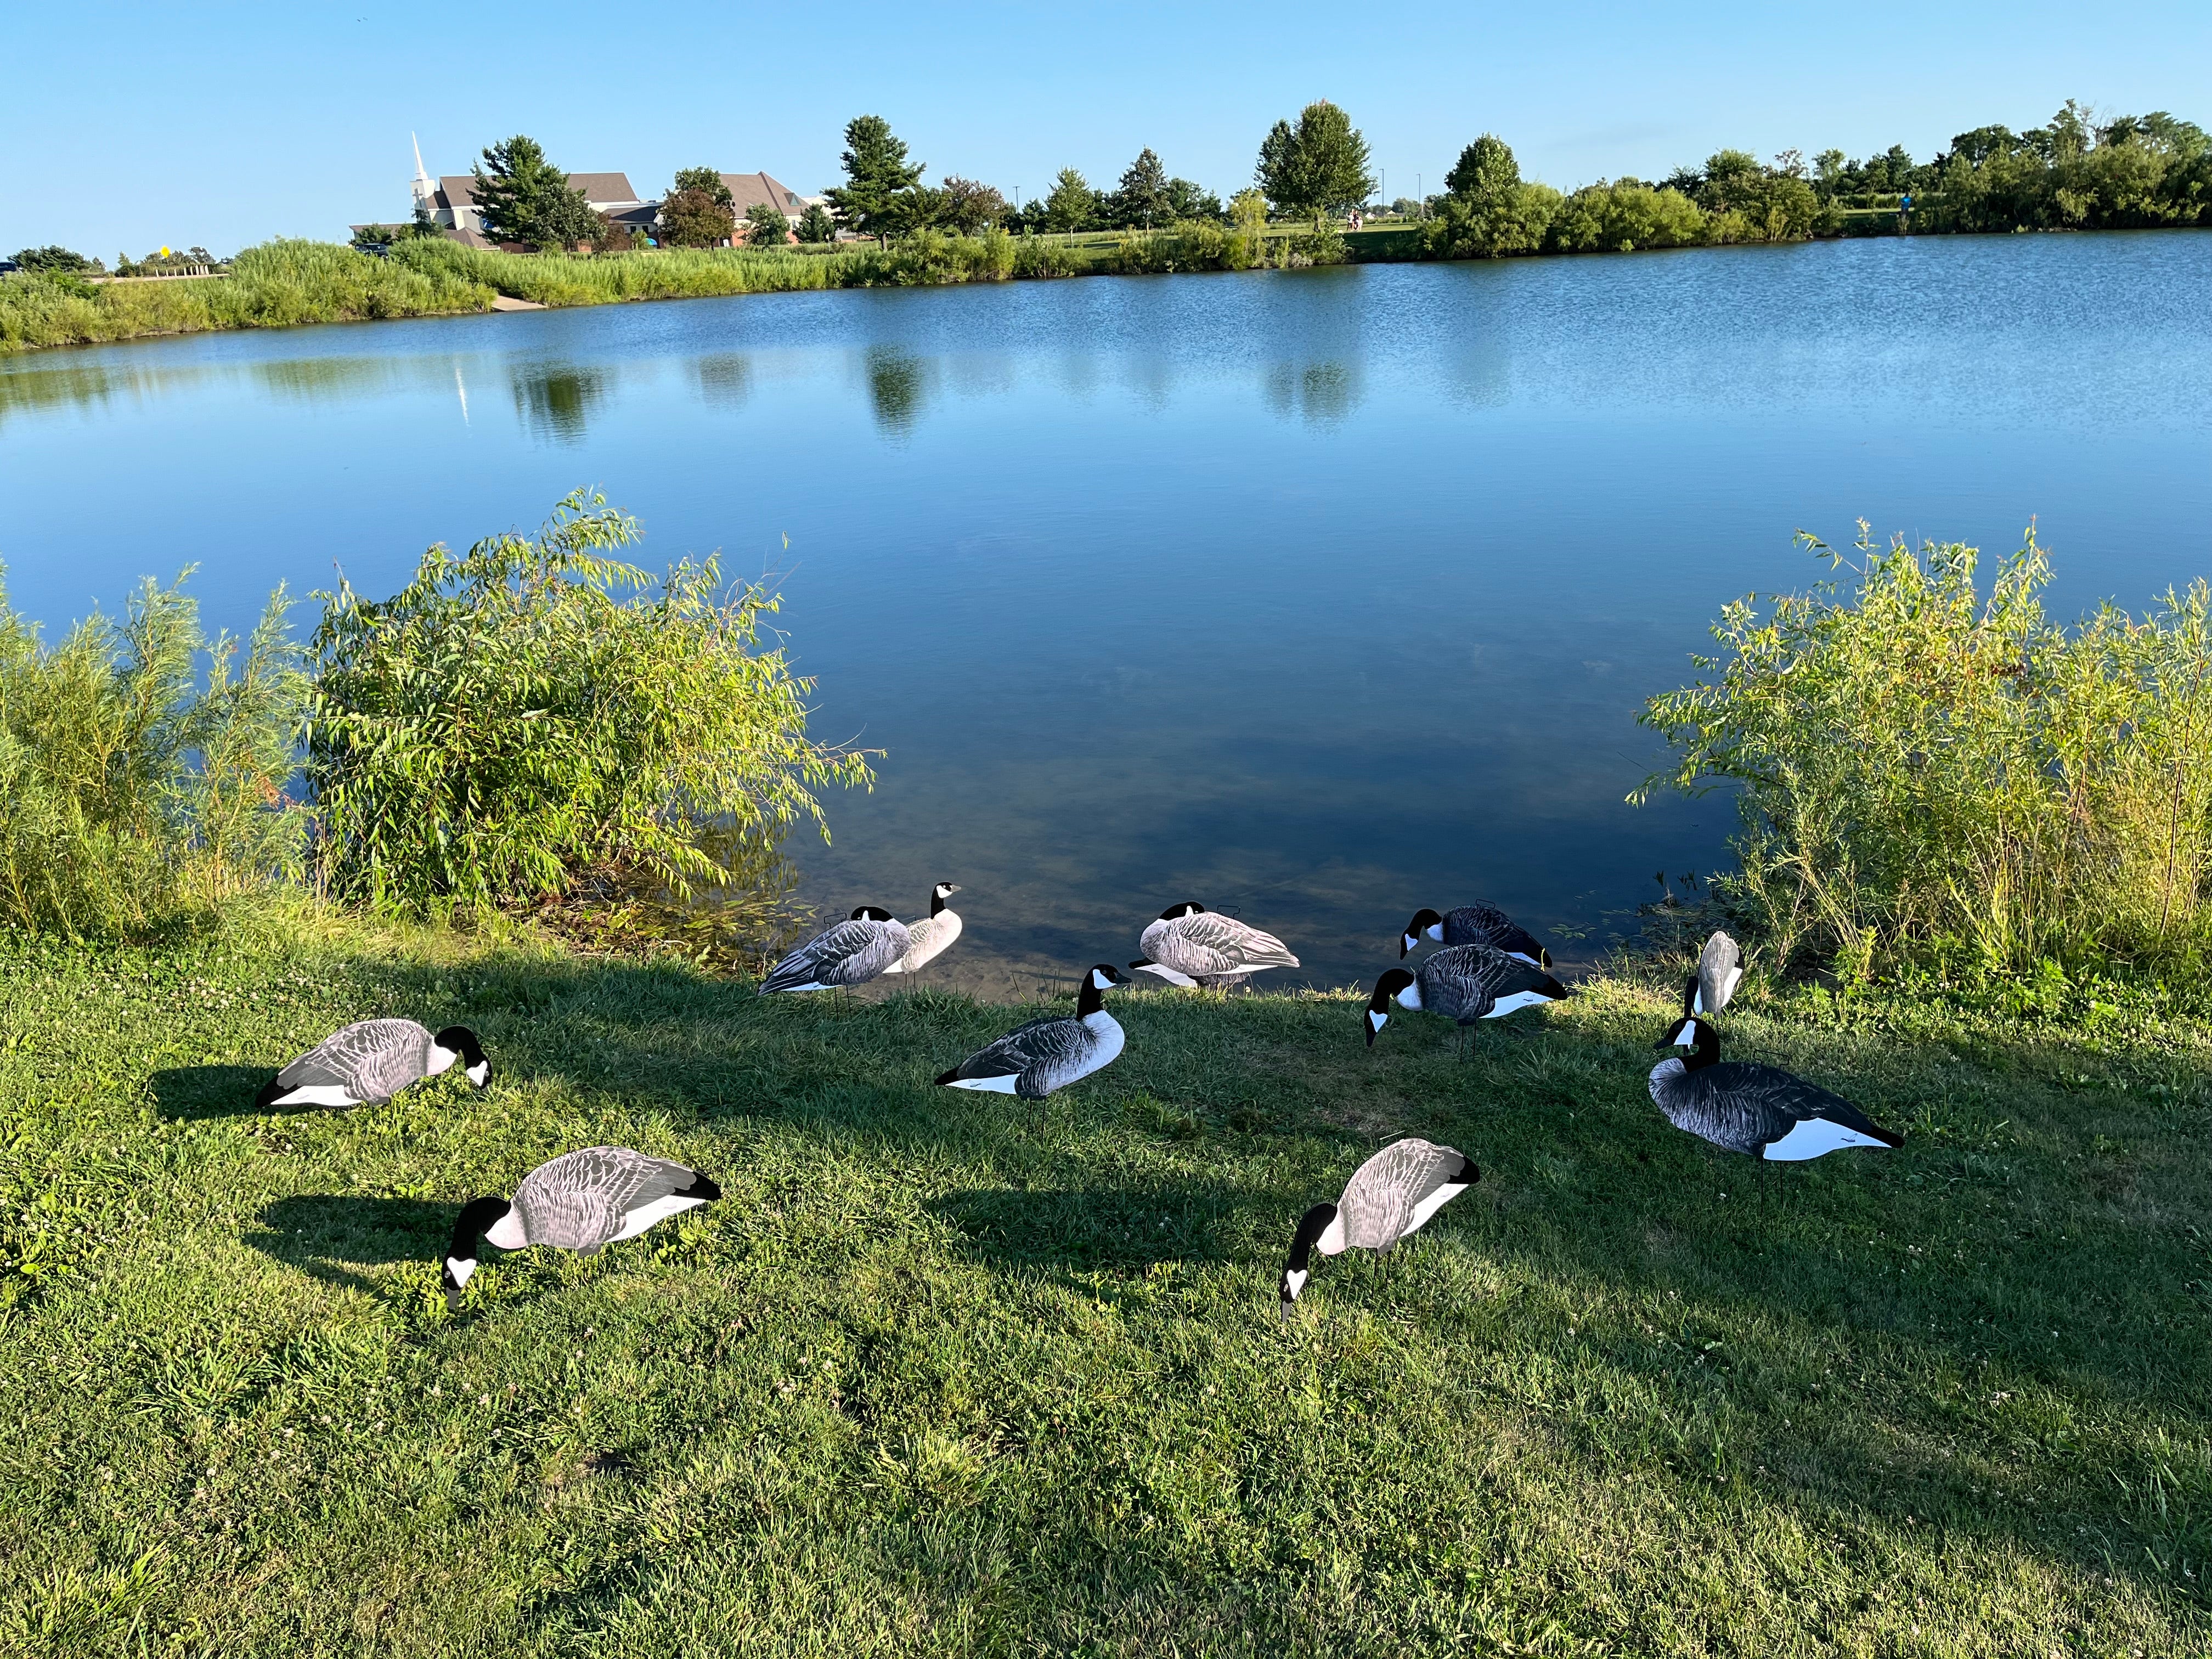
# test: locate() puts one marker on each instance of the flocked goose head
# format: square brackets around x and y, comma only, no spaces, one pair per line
[457,1042]
[872,913]
[1317,1229]
[1102,978]
[1177,912]
[1425,924]
[478,1216]
[938,894]
[1395,982]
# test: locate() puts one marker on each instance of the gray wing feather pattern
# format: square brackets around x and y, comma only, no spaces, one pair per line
[1380,1200]
[1719,963]
[1208,943]
[1474,924]
[1464,981]
[1043,1054]
[371,1060]
[1743,1106]
[578,1201]
[850,953]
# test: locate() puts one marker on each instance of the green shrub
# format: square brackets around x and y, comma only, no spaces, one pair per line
[127,797]
[1927,776]
[1619,218]
[507,724]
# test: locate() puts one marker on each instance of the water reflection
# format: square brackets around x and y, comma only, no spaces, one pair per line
[556,401]
[1322,394]
[724,379]
[899,384]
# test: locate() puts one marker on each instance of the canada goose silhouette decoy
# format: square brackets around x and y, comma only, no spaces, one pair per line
[372,1060]
[926,940]
[852,952]
[577,1201]
[1720,971]
[1462,982]
[1190,945]
[1391,1195]
[1761,1111]
[1032,1060]
[1473,924]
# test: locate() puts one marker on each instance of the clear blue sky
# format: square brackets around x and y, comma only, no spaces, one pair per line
[130,125]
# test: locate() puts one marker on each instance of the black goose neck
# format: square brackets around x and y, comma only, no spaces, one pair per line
[468,1227]
[1311,1225]
[1091,999]
[1707,1051]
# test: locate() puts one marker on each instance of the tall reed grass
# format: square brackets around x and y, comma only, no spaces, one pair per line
[1929,777]
[277,283]
[131,795]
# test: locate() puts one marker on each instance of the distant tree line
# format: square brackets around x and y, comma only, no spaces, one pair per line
[2076,171]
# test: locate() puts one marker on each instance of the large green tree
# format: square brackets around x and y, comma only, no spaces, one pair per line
[815,225]
[524,198]
[1142,196]
[698,210]
[1319,166]
[970,207]
[1487,209]
[879,181]
[767,228]
[1072,205]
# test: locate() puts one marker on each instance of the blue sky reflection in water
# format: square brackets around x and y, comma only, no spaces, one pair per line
[1318,596]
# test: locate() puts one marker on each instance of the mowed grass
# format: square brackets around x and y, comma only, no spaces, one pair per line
[952,1373]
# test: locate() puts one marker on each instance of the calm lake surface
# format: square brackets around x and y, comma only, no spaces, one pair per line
[1316,596]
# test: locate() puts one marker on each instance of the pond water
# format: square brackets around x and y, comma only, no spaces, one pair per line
[1316,596]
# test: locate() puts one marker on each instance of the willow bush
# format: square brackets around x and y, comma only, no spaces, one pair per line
[131,793]
[1929,776]
[537,711]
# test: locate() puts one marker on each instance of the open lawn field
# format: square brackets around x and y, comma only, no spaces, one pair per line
[950,1373]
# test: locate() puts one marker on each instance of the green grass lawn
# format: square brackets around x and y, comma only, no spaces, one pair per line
[950,1373]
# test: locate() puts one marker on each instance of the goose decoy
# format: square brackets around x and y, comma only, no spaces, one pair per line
[1474,924]
[1759,1110]
[1720,968]
[1034,1060]
[926,940]
[1463,982]
[372,1060]
[578,1201]
[1190,945]
[853,952]
[1391,1195]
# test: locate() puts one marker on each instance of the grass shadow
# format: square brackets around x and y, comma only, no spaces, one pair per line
[184,1093]
[1094,1228]
[329,1235]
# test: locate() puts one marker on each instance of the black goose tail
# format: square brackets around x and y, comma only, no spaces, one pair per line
[270,1093]
[700,1188]
[952,1076]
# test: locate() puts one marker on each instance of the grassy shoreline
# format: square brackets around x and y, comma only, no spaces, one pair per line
[302,282]
[945,1373]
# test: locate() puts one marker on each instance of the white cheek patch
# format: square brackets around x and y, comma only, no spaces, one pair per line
[1688,1036]
[1376,1019]
[460,1270]
[480,1073]
[1295,1281]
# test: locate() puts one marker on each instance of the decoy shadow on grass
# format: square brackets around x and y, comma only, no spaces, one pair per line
[333,1236]
[186,1092]
[1094,1228]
